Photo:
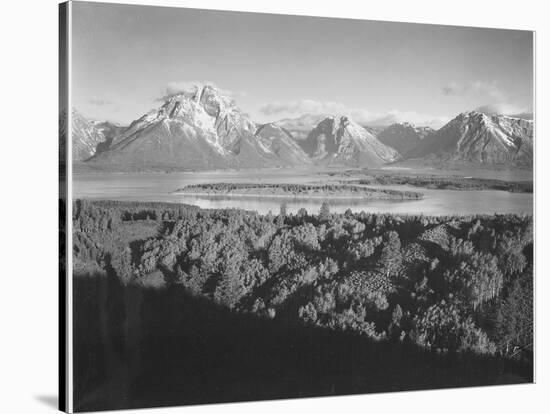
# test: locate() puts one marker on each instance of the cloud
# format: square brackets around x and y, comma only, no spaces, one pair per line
[498,100]
[415,118]
[490,89]
[360,115]
[505,109]
[451,89]
[304,106]
[99,101]
[175,88]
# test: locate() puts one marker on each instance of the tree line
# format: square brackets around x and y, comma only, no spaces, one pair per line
[299,189]
[448,183]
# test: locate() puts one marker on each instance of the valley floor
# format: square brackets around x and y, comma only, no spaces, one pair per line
[399,168]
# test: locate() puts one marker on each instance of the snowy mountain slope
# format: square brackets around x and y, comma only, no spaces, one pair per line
[339,140]
[196,129]
[282,143]
[477,138]
[86,136]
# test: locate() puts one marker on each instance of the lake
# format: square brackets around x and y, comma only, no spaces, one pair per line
[161,187]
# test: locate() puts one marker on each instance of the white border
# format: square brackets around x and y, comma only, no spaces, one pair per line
[28,298]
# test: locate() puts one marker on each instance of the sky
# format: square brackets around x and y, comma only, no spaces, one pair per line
[125,58]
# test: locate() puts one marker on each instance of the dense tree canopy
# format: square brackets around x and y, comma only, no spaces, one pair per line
[448,284]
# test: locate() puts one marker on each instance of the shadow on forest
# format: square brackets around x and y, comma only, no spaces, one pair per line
[138,347]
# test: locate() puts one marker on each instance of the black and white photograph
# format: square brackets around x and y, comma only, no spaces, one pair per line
[262,206]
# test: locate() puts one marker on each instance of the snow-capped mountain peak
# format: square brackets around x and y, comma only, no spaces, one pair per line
[199,127]
[478,138]
[203,109]
[338,139]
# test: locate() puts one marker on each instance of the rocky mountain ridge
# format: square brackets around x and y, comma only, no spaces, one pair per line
[477,138]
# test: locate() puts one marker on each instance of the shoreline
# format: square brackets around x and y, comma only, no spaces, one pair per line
[170,203]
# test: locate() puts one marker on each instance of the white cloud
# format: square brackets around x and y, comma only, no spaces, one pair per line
[304,106]
[504,109]
[360,115]
[415,118]
[498,100]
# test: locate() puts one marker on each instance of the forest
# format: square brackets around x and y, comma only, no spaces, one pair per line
[300,190]
[446,183]
[335,303]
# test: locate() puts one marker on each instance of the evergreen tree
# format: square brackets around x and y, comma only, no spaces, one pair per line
[324,212]
[391,258]
[282,215]
[301,213]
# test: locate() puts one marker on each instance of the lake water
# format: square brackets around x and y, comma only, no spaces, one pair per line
[161,187]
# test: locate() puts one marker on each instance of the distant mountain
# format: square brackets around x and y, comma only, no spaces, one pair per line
[300,127]
[403,137]
[200,128]
[86,136]
[424,131]
[373,129]
[473,137]
[339,140]
[110,131]
[282,143]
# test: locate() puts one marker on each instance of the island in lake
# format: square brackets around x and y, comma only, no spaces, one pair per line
[446,183]
[342,191]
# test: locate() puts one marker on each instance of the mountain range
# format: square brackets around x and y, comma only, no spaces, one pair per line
[202,128]
[476,138]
